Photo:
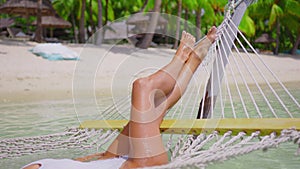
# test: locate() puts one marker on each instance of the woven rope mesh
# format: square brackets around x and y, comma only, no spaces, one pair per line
[185,150]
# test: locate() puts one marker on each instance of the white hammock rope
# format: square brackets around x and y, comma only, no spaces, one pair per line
[191,152]
[262,74]
[241,74]
[70,139]
[187,150]
[256,83]
[212,54]
[205,148]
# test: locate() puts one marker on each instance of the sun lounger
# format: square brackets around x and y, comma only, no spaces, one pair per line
[17,35]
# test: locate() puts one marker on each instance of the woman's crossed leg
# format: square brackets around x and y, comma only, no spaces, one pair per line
[152,97]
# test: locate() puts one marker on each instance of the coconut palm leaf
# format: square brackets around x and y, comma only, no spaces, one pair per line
[247,25]
[276,13]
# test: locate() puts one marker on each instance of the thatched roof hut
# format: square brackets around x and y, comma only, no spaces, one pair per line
[141,22]
[26,7]
[6,22]
[264,38]
[54,22]
[144,18]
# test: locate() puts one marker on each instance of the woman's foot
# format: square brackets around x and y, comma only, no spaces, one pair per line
[212,34]
[186,46]
[202,47]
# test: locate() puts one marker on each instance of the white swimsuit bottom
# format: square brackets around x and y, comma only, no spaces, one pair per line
[114,163]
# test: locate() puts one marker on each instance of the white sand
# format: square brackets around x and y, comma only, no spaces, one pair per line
[26,77]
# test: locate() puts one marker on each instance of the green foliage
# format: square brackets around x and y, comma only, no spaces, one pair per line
[276,13]
[209,17]
[247,25]
[150,5]
[286,13]
[65,8]
[293,7]
[260,17]
[123,8]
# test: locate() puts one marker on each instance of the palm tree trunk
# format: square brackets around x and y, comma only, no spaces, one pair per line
[100,31]
[75,31]
[276,52]
[186,18]
[198,24]
[167,33]
[144,6]
[100,14]
[151,27]
[39,28]
[296,44]
[81,23]
[178,23]
[106,12]
[92,24]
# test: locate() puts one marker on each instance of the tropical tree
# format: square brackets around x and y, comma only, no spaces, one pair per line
[82,22]
[291,20]
[276,16]
[179,11]
[218,8]
[247,25]
[265,16]
[99,25]
[204,12]
[147,39]
[90,18]
[39,29]
[68,10]
[124,8]
[169,8]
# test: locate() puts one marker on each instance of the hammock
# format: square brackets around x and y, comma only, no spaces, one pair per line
[209,134]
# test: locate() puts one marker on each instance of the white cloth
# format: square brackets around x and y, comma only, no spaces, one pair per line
[54,51]
[114,163]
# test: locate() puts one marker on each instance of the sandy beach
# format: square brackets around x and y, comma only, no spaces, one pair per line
[26,77]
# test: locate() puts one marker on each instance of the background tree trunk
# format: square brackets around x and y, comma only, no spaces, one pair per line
[296,44]
[198,24]
[146,42]
[75,31]
[276,52]
[81,23]
[39,28]
[144,6]
[167,17]
[92,24]
[100,31]
[178,24]
[106,12]
[186,19]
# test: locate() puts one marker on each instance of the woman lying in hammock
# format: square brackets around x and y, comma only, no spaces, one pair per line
[140,141]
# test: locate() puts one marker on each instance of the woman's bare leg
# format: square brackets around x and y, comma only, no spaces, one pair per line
[195,58]
[146,147]
[167,77]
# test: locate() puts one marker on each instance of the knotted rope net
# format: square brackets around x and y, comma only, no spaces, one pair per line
[185,150]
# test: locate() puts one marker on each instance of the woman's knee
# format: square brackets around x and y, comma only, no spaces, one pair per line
[143,84]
